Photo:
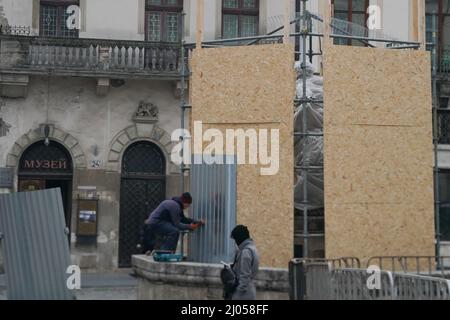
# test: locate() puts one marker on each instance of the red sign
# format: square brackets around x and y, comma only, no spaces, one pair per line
[46,164]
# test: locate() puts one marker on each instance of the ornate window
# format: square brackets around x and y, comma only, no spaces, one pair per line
[53,19]
[240,18]
[163,20]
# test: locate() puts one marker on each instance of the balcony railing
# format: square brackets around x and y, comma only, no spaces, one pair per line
[89,57]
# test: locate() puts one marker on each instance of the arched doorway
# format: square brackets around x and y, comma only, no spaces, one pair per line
[46,167]
[142,189]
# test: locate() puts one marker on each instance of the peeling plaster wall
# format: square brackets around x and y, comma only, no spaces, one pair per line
[74,107]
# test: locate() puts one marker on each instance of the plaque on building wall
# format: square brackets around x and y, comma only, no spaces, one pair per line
[6,178]
[87,219]
[146,113]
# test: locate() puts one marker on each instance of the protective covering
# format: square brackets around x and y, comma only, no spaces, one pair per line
[314,145]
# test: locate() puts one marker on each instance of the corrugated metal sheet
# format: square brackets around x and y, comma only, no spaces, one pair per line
[35,246]
[213,188]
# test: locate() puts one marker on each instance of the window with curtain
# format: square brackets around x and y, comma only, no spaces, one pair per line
[240,18]
[354,11]
[53,19]
[163,20]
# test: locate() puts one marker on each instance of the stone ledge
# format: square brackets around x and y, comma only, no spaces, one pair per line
[199,274]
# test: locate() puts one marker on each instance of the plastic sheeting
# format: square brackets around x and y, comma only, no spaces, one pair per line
[314,145]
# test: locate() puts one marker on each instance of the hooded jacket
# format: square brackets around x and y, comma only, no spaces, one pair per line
[170,211]
[246,268]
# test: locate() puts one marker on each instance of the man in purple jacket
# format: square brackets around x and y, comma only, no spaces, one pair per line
[166,221]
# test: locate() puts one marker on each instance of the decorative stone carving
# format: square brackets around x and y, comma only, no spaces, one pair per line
[146,113]
[4,128]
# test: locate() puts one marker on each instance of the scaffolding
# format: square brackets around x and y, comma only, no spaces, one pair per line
[304,35]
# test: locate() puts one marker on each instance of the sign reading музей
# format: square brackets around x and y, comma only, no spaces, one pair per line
[45,159]
[46,164]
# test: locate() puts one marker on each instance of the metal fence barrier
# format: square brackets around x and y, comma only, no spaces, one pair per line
[415,287]
[418,264]
[315,286]
[321,281]
[351,284]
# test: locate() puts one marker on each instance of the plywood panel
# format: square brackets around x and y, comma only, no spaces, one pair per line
[379,165]
[229,90]
[379,230]
[378,153]
[357,76]
[243,84]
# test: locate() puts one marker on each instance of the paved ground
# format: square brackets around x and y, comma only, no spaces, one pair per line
[98,286]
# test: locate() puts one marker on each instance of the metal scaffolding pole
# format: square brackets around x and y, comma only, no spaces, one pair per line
[305,170]
[183,106]
[436,138]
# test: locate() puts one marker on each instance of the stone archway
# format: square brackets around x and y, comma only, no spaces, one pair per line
[140,132]
[65,139]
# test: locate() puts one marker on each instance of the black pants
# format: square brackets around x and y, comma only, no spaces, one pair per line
[148,239]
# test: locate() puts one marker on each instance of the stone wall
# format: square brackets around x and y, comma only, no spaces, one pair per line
[195,281]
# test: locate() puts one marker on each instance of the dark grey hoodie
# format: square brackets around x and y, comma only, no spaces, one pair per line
[245,268]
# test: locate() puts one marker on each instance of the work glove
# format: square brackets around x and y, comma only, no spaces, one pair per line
[194,226]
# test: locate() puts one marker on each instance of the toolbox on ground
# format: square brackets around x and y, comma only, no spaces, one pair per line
[167,256]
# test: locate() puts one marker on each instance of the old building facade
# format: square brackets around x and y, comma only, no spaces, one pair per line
[91,109]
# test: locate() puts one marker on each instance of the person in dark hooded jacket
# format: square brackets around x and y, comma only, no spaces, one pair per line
[167,220]
[246,264]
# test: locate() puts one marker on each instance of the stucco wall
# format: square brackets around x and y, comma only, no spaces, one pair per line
[18,12]
[71,106]
[74,107]
[112,19]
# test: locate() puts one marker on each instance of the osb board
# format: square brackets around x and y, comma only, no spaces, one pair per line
[231,99]
[378,153]
[356,77]
[246,84]
[378,164]
[371,229]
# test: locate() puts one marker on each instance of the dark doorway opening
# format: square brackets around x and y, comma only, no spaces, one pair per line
[48,167]
[142,189]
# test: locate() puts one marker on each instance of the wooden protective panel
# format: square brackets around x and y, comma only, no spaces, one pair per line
[243,84]
[378,153]
[253,88]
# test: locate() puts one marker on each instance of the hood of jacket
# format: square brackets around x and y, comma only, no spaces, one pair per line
[179,201]
[246,243]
